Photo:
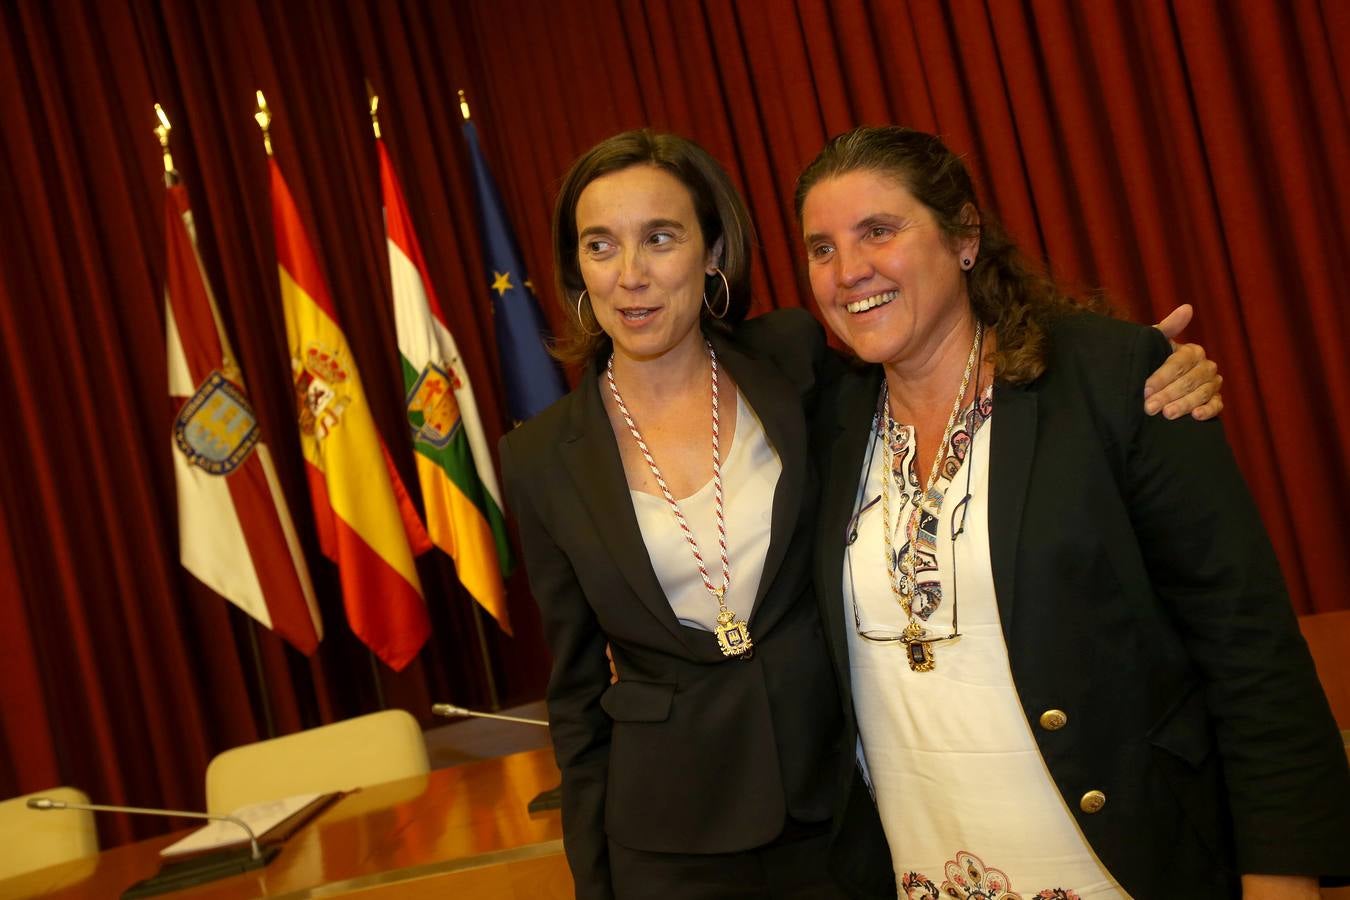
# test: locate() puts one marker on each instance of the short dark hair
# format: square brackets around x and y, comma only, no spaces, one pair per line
[721,214]
[1008,293]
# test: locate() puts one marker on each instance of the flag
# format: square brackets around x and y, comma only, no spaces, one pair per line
[363,515]
[234,528]
[459,487]
[533,379]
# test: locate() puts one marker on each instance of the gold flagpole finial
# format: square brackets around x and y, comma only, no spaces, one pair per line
[264,119]
[162,132]
[463,106]
[374,108]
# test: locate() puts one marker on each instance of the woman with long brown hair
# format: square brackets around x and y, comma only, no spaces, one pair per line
[1059,625]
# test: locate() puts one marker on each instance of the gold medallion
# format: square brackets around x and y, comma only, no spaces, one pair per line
[921,656]
[732,636]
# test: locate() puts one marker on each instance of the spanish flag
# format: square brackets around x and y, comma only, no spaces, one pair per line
[459,486]
[234,527]
[362,513]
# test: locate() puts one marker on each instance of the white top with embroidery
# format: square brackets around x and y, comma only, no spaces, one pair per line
[965,798]
[749,475]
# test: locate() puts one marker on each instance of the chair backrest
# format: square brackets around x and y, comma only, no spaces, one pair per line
[33,839]
[369,749]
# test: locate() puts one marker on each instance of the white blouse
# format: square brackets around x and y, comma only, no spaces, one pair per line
[965,798]
[749,476]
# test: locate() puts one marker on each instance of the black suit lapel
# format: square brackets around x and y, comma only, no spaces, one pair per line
[1011,449]
[591,456]
[779,410]
[844,445]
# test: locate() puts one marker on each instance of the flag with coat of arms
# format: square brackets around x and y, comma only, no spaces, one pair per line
[235,532]
[454,467]
[365,520]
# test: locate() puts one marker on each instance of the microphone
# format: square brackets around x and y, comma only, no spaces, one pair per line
[450,711]
[43,803]
[550,799]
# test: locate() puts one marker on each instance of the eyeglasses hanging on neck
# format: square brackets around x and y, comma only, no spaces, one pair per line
[958,528]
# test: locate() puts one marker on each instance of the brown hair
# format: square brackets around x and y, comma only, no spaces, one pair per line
[721,214]
[1008,294]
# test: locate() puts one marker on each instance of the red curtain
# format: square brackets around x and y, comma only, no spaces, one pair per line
[1167,152]
[1191,151]
[121,673]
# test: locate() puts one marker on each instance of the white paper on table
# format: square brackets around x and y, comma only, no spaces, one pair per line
[259,816]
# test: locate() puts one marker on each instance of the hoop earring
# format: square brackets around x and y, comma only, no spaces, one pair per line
[582,322]
[726,288]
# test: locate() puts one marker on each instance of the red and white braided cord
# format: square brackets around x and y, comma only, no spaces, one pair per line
[665,489]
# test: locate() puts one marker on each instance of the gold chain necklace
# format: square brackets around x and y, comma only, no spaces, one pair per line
[905,583]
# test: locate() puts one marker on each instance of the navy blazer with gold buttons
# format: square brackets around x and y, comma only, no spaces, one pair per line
[1149,633]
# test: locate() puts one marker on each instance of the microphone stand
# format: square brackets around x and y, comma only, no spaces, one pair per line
[550,799]
[450,710]
[43,803]
[189,871]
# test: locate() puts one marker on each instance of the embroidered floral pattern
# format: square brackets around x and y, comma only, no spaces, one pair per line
[969,879]
[922,529]
[914,886]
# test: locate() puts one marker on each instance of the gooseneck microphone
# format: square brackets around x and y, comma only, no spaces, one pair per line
[450,710]
[551,799]
[43,803]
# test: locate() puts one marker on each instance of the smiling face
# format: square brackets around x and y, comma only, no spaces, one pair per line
[888,280]
[643,258]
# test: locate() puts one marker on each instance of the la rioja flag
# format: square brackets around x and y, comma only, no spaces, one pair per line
[454,467]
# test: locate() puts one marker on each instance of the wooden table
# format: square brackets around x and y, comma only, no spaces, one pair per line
[462,831]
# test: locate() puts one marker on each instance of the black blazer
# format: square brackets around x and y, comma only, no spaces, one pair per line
[1139,594]
[690,751]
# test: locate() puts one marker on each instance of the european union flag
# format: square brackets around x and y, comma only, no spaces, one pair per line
[533,379]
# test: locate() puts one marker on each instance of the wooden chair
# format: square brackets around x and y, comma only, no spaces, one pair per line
[33,839]
[369,749]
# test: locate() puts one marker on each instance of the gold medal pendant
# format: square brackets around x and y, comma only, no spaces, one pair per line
[921,656]
[732,636]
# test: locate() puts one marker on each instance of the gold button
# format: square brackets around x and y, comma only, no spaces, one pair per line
[1054,719]
[1092,802]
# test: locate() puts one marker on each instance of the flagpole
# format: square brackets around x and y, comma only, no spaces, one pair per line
[171,178]
[162,132]
[263,695]
[477,611]
[263,116]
